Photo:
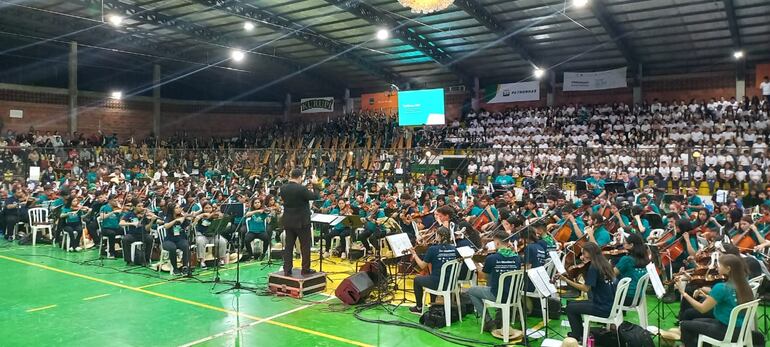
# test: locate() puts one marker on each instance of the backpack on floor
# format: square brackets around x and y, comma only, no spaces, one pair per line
[632,335]
[434,317]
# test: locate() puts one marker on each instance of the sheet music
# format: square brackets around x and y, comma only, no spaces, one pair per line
[657,285]
[542,281]
[323,218]
[337,220]
[491,246]
[467,254]
[399,243]
[558,265]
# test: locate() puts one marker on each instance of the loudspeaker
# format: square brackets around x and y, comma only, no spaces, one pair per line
[377,271]
[354,289]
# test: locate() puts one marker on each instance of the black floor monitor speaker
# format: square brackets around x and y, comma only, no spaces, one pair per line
[354,289]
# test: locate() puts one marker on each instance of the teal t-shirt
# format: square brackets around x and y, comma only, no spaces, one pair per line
[726,299]
[112,221]
[627,268]
[73,217]
[504,180]
[256,223]
[602,236]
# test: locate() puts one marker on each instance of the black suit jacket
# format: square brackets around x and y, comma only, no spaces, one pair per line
[296,208]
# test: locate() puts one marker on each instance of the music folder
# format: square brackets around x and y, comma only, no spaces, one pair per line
[399,243]
[657,285]
[541,281]
[467,254]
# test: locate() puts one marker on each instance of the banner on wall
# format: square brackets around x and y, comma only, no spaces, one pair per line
[317,105]
[513,92]
[600,80]
[384,101]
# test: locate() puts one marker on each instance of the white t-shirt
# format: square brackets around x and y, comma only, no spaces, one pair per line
[765,86]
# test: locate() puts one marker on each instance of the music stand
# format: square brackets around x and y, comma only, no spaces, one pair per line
[657,286]
[218,226]
[581,185]
[615,187]
[401,245]
[324,219]
[542,282]
[655,220]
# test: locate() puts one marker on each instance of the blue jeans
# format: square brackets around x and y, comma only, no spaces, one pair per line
[478,294]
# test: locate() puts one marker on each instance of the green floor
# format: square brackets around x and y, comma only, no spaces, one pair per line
[50,298]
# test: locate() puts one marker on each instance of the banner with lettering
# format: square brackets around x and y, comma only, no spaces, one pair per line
[513,92]
[317,105]
[385,102]
[600,80]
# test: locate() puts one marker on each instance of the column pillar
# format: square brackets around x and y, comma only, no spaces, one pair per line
[72,86]
[476,99]
[740,79]
[550,86]
[287,107]
[638,95]
[156,100]
[347,107]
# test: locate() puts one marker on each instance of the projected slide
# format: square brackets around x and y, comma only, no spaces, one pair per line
[421,107]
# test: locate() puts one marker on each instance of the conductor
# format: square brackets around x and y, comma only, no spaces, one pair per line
[296,220]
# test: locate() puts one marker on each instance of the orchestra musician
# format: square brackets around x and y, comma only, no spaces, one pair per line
[488,210]
[342,208]
[176,238]
[720,300]
[72,212]
[632,265]
[204,236]
[535,253]
[597,232]
[111,214]
[598,283]
[504,259]
[436,255]
[256,228]
[137,223]
[373,231]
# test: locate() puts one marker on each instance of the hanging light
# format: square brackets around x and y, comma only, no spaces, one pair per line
[426,6]
[115,20]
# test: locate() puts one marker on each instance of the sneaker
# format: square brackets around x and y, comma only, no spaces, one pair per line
[110,256]
[308,272]
[261,257]
[176,272]
[327,255]
[343,255]
[78,249]
[244,258]
[416,310]
[203,265]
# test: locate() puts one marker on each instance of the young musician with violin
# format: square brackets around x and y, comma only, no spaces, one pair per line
[748,237]
[599,284]
[137,223]
[535,253]
[256,228]
[204,236]
[110,215]
[72,213]
[176,237]
[342,208]
[373,231]
[720,300]
[486,214]
[597,232]
[573,222]
[503,260]
[435,257]
[633,264]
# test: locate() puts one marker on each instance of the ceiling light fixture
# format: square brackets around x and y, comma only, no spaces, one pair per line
[237,55]
[383,34]
[115,20]
[248,26]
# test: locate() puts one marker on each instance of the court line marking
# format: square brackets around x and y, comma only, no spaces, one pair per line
[41,308]
[95,297]
[189,302]
[204,273]
[263,320]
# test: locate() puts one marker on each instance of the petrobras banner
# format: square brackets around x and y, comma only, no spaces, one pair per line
[513,92]
[610,79]
[317,105]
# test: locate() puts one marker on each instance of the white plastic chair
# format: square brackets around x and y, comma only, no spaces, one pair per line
[447,285]
[639,302]
[511,302]
[164,255]
[749,311]
[38,220]
[754,283]
[616,314]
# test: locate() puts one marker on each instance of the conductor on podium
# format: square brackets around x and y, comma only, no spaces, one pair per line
[296,220]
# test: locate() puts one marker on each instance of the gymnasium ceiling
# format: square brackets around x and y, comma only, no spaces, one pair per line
[319,47]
